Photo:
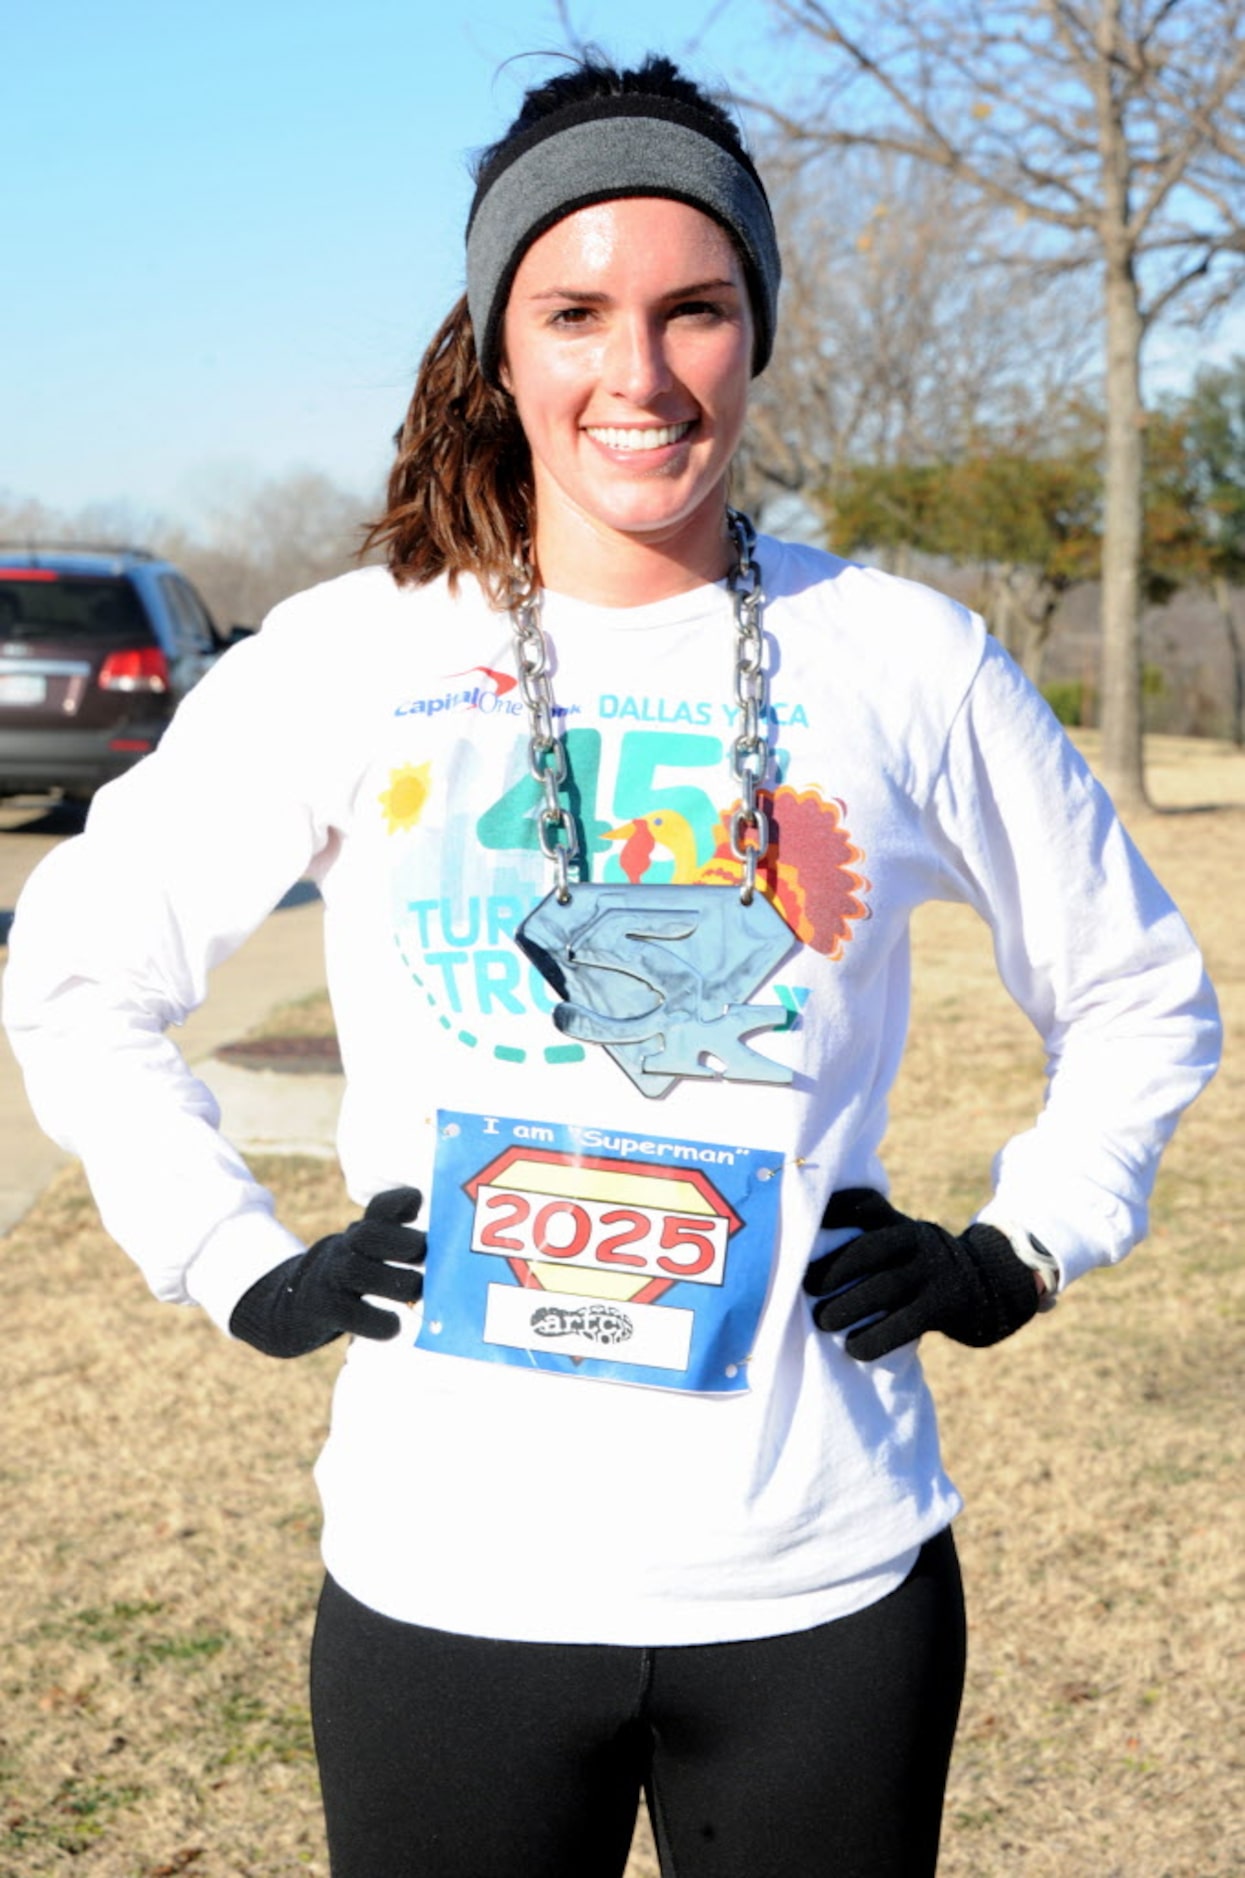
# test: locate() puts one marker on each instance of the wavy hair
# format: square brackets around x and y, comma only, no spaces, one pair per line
[460,492]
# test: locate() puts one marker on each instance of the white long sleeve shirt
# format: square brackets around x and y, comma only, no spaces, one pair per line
[500,1469]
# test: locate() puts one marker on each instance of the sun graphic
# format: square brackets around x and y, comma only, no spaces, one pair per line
[403,801]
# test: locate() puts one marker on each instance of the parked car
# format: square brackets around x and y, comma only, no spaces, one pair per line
[97,647]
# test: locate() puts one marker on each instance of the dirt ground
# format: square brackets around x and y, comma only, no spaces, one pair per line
[159,1557]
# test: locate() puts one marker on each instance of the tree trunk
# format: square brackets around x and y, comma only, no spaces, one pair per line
[1120,706]
[1123,759]
[1223,600]
[999,609]
[1020,609]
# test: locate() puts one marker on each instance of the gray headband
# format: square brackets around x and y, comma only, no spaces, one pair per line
[601,160]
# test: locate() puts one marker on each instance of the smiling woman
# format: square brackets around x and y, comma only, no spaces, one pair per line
[619,813]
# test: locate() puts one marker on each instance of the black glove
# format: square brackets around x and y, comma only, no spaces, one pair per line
[911,1277]
[317,1294]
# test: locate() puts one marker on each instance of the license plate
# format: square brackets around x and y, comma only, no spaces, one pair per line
[23,688]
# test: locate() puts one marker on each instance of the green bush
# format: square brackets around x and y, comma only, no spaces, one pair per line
[1066,699]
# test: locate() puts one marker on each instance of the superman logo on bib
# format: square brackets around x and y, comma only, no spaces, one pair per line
[600,1254]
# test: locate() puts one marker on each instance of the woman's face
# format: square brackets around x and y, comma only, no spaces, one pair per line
[628,349]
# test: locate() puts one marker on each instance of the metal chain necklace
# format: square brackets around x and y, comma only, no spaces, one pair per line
[659,975]
[750,751]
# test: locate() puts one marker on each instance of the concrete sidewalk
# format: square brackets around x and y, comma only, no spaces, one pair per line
[260,1110]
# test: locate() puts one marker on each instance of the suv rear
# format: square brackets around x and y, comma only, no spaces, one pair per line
[97,646]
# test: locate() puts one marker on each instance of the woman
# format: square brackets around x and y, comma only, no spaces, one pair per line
[619,816]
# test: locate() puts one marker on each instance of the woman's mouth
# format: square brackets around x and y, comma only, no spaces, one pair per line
[637,436]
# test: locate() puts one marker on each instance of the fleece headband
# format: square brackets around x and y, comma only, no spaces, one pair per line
[598,150]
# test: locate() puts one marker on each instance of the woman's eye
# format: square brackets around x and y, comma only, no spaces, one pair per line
[571,316]
[706,310]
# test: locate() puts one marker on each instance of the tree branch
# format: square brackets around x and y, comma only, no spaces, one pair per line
[1200,121]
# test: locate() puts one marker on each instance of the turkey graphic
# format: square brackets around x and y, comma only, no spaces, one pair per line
[808,874]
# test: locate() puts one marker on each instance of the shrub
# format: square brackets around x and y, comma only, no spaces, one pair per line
[1066,698]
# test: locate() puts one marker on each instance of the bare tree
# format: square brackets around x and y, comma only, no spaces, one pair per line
[903,338]
[259,544]
[1115,131]
[23,520]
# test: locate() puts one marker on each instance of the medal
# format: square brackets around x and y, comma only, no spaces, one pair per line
[660,976]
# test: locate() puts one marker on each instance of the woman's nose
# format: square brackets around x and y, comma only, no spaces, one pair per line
[636,365]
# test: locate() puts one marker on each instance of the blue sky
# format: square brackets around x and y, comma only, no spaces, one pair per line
[230,228]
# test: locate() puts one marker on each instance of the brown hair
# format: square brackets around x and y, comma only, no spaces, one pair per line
[460,490]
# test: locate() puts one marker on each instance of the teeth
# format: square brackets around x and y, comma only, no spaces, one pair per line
[634,438]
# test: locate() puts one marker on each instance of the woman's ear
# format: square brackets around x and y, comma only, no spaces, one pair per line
[503,375]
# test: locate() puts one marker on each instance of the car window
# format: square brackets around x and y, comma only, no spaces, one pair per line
[39,603]
[191,620]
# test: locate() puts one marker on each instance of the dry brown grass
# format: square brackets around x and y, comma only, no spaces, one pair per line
[1100,1454]
[159,1550]
[306,1017]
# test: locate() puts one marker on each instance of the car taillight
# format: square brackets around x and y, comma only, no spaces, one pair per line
[142,668]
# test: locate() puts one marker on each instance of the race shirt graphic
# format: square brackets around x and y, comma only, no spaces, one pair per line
[652,806]
[597,1253]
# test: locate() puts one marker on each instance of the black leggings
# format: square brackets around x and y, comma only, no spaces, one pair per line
[820,1754]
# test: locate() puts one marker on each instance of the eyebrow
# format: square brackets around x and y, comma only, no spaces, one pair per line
[588,298]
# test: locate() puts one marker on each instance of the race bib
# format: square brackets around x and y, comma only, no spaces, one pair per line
[597,1253]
